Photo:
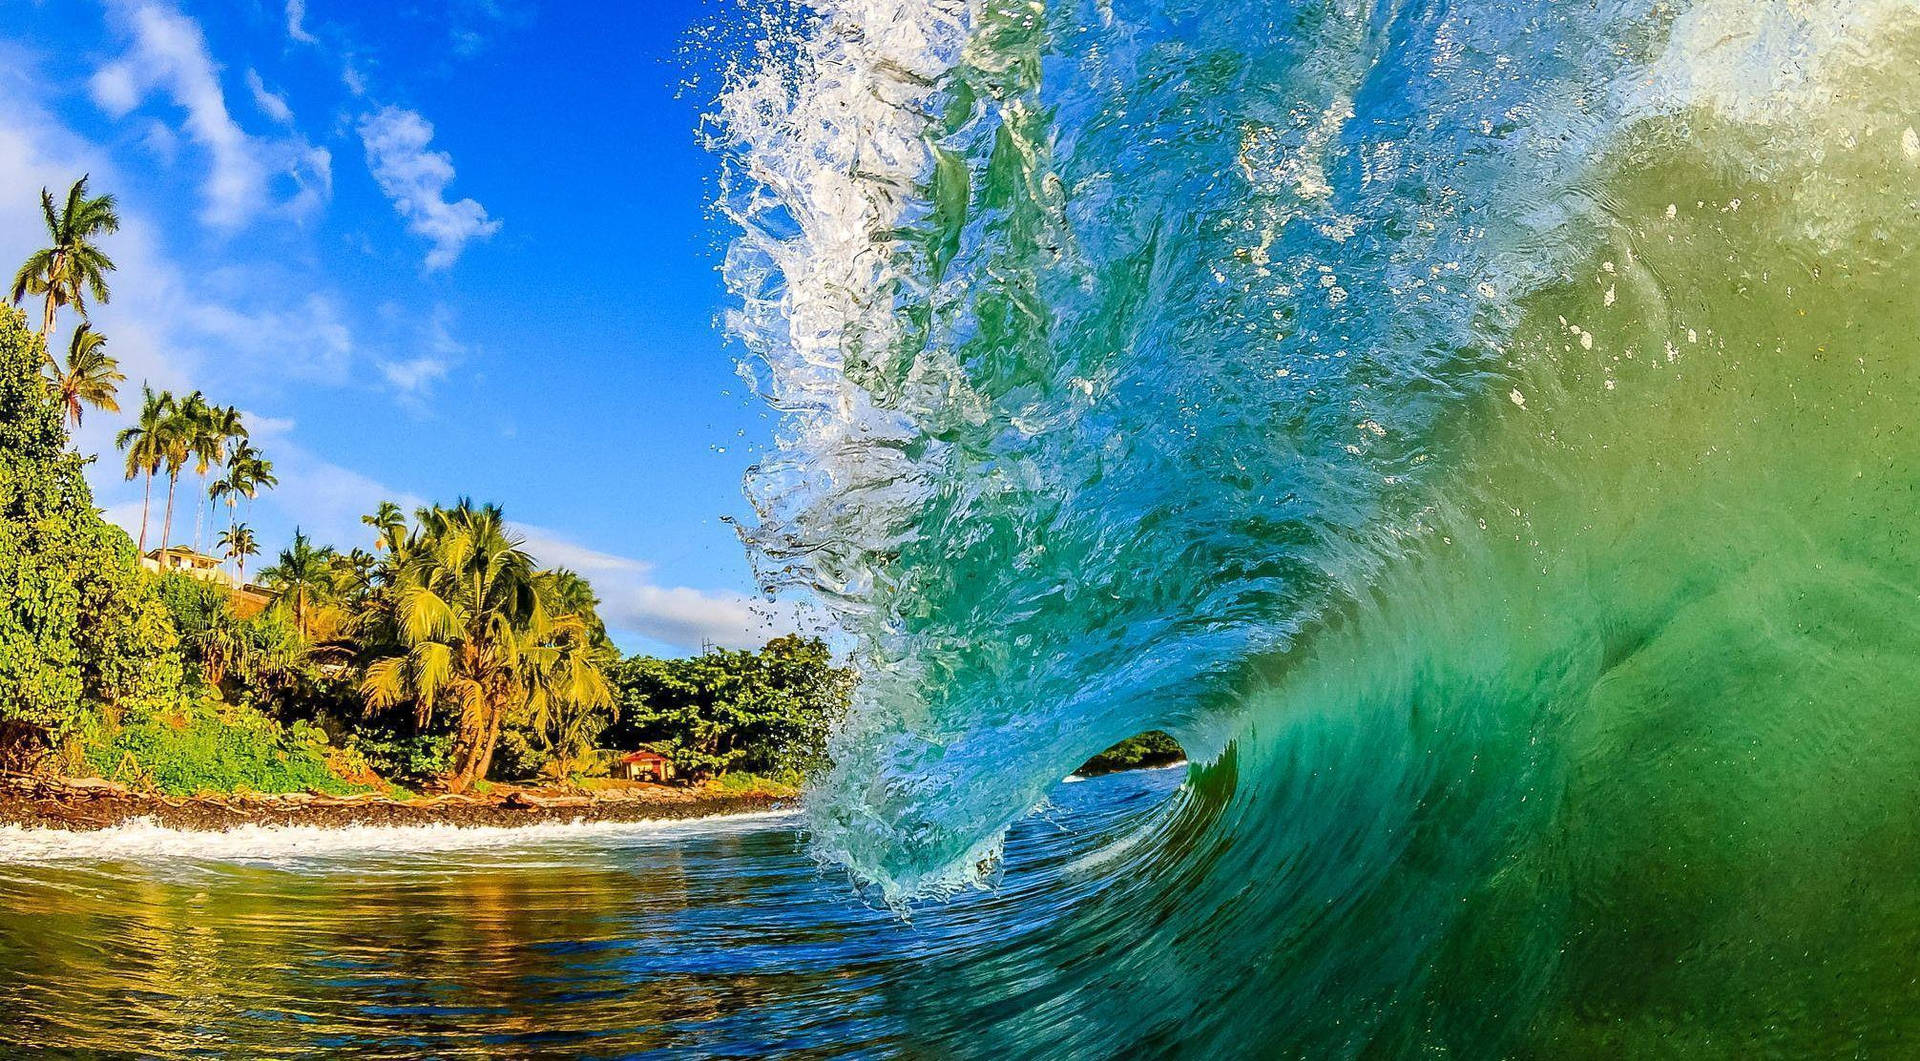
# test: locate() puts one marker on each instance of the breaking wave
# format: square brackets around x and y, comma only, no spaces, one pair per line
[1480,431]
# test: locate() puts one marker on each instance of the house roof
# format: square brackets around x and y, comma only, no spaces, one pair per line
[181,552]
[643,756]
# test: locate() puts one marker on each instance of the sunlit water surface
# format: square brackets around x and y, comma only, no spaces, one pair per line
[709,939]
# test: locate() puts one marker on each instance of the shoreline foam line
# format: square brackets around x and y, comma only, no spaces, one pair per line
[142,840]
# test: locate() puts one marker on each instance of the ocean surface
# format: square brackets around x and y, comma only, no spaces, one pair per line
[1482,431]
[715,938]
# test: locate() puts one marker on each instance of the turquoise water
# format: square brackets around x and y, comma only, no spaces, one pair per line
[1482,432]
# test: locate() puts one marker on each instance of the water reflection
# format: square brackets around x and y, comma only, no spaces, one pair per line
[720,940]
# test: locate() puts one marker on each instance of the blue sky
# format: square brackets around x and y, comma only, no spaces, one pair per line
[431,248]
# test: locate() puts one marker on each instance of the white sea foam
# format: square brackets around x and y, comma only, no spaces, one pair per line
[825,152]
[1771,60]
[1824,82]
[1073,778]
[145,841]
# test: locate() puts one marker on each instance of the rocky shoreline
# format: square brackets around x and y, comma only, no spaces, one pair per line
[88,804]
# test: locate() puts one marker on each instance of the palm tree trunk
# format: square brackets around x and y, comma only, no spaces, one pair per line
[198,508]
[474,744]
[46,326]
[479,752]
[166,525]
[466,755]
[146,502]
[489,743]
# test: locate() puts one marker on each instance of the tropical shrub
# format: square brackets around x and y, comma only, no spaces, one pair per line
[208,749]
[203,619]
[80,628]
[390,746]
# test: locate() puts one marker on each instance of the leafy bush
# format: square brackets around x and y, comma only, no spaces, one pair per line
[80,629]
[766,712]
[519,756]
[395,753]
[261,661]
[204,621]
[205,749]
[745,784]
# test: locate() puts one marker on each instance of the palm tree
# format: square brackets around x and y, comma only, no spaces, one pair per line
[259,473]
[70,266]
[177,436]
[238,544]
[247,472]
[354,575]
[565,669]
[387,522]
[464,607]
[89,377]
[262,475]
[302,573]
[567,593]
[228,488]
[145,446]
[213,430]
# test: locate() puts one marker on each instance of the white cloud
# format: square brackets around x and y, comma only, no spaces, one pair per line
[632,602]
[312,175]
[160,139]
[412,376]
[272,105]
[472,24]
[167,53]
[303,340]
[416,180]
[296,22]
[429,351]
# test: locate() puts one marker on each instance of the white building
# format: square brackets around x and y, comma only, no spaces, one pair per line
[182,559]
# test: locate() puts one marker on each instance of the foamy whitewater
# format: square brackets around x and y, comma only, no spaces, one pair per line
[146,842]
[1482,432]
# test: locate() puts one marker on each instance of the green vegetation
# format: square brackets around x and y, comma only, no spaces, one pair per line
[1152,748]
[450,657]
[81,631]
[89,376]
[457,617]
[447,655]
[209,749]
[765,712]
